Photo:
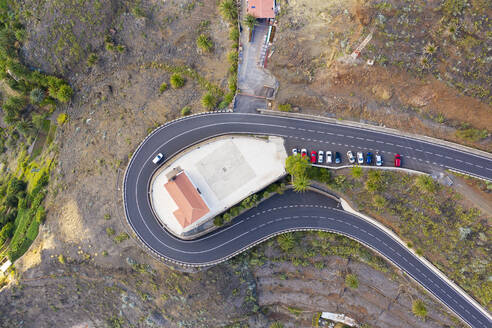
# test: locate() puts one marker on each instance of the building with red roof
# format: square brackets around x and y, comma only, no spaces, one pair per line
[261,8]
[191,206]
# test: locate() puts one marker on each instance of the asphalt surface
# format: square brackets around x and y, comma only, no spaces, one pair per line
[291,211]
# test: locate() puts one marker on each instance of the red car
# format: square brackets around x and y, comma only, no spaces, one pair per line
[397,160]
[314,157]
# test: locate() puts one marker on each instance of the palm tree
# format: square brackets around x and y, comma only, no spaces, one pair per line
[301,183]
[228,10]
[250,21]
[286,241]
[419,309]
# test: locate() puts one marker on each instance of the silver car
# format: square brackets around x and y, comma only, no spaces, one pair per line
[320,157]
[360,158]
[350,157]
[379,159]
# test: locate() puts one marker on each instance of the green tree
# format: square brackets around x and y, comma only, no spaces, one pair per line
[24,127]
[204,42]
[177,81]
[250,21]
[286,241]
[300,183]
[296,165]
[352,281]
[356,171]
[37,121]
[419,309]
[36,96]
[228,10]
[209,101]
[64,93]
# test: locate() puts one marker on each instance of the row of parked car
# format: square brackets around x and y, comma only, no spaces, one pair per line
[334,157]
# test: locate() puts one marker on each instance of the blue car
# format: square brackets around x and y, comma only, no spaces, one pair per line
[338,158]
[369,158]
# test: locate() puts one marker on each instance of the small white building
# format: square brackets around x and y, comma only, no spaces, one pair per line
[212,177]
[338,317]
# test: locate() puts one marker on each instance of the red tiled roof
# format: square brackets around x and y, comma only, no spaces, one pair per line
[261,8]
[191,206]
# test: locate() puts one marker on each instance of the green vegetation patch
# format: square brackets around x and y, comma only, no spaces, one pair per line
[430,218]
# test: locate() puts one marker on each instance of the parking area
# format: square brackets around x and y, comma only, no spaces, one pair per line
[387,159]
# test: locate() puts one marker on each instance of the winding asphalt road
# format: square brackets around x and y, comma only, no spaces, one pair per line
[288,212]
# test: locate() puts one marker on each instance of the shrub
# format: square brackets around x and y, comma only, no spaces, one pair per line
[426,184]
[218,221]
[276,324]
[233,57]
[356,172]
[471,134]
[186,110]
[352,281]
[285,107]
[110,231]
[234,33]
[121,237]
[61,259]
[163,87]
[177,81]
[107,216]
[36,96]
[419,309]
[228,10]
[61,119]
[209,101]
[233,83]
[204,42]
[92,59]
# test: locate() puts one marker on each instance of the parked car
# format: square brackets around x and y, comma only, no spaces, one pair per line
[329,157]
[338,158]
[321,157]
[379,159]
[397,160]
[369,158]
[303,152]
[360,157]
[294,151]
[350,157]
[157,158]
[313,157]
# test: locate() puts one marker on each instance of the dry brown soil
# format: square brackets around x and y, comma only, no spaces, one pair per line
[311,63]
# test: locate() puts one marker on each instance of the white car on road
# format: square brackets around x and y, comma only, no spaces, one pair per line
[320,156]
[158,158]
[294,151]
[360,158]
[351,157]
